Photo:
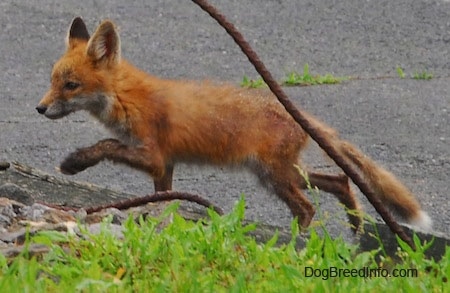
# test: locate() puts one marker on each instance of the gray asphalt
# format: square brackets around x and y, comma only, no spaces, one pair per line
[402,123]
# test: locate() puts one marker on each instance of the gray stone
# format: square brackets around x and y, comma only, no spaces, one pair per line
[389,241]
[15,192]
[4,165]
[116,230]
[34,212]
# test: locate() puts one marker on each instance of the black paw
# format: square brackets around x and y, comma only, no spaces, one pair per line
[71,165]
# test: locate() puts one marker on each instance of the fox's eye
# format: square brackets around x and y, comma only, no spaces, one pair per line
[70,85]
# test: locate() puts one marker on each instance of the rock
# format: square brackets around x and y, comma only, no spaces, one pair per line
[118,216]
[4,165]
[16,237]
[3,244]
[57,216]
[8,211]
[116,230]
[80,215]
[34,212]
[15,192]
[33,250]
[38,212]
[367,242]
[5,221]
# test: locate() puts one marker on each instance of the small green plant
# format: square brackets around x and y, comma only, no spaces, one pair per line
[400,72]
[305,79]
[252,83]
[422,75]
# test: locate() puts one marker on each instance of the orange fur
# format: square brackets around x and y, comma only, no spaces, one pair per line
[388,188]
[160,123]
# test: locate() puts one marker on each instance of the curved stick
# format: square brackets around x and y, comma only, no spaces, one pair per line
[137,201]
[158,196]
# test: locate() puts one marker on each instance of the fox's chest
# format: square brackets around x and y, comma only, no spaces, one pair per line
[122,132]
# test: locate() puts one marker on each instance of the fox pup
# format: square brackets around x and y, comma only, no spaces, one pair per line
[159,123]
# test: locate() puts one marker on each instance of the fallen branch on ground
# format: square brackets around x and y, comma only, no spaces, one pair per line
[138,201]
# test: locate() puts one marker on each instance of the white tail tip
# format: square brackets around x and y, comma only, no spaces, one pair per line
[422,221]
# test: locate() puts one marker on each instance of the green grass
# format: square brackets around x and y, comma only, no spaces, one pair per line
[423,75]
[252,83]
[400,72]
[305,78]
[215,255]
[295,79]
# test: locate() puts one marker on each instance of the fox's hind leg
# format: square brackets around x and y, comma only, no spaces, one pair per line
[287,189]
[284,180]
[339,186]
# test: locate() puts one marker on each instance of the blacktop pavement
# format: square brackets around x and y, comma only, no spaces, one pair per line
[403,123]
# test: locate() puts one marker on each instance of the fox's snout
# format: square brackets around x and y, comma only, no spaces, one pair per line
[55,110]
[41,109]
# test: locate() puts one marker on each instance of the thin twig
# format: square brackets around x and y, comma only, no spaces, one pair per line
[158,196]
[137,201]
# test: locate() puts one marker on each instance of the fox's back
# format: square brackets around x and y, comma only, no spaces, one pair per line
[224,123]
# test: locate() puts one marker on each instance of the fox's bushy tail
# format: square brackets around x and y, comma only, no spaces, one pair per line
[397,197]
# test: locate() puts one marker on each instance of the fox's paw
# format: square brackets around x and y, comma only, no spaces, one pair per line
[84,158]
[73,164]
[69,167]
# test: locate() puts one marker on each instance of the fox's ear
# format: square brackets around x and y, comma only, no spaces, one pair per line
[104,46]
[77,32]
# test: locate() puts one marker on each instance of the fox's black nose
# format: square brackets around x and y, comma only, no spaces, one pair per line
[41,109]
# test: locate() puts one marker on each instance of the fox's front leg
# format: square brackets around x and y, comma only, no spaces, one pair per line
[141,157]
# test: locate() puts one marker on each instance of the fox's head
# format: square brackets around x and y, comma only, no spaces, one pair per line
[80,79]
